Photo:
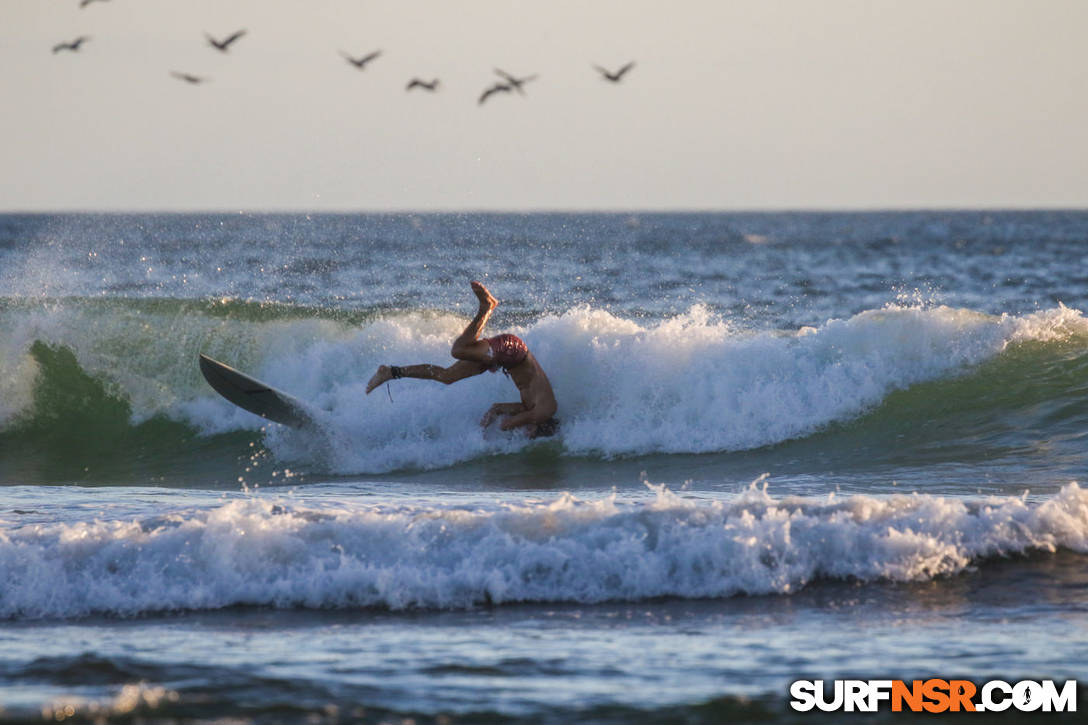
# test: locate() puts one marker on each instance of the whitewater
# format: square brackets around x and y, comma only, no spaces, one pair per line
[275,552]
[693,383]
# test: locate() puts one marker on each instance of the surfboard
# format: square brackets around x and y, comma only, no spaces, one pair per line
[253,395]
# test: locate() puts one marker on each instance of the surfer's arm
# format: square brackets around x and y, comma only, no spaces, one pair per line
[501,409]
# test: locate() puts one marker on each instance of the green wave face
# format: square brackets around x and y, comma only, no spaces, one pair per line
[79,429]
[1029,403]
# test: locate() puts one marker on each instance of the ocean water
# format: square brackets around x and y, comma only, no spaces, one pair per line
[794,446]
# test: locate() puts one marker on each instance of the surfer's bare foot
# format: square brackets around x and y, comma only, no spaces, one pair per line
[383,375]
[487,302]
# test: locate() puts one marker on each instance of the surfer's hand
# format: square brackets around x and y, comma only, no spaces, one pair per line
[489,416]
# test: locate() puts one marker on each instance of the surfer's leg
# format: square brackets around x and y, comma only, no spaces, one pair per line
[458,371]
[468,346]
[472,353]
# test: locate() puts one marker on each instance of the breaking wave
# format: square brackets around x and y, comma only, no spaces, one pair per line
[122,377]
[276,552]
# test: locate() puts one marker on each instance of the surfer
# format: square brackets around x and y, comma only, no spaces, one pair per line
[536,410]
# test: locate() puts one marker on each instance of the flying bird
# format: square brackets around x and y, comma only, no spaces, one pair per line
[514,82]
[361,62]
[187,77]
[497,88]
[72,46]
[614,77]
[224,44]
[431,86]
[85,3]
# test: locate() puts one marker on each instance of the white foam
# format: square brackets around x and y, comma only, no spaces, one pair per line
[690,384]
[287,554]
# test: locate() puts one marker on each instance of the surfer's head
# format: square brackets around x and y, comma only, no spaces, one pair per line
[507,350]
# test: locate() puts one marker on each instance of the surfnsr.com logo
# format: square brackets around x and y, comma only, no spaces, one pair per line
[934,695]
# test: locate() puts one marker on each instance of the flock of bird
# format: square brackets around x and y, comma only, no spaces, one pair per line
[509,83]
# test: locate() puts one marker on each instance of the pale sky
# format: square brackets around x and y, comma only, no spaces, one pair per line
[733,105]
